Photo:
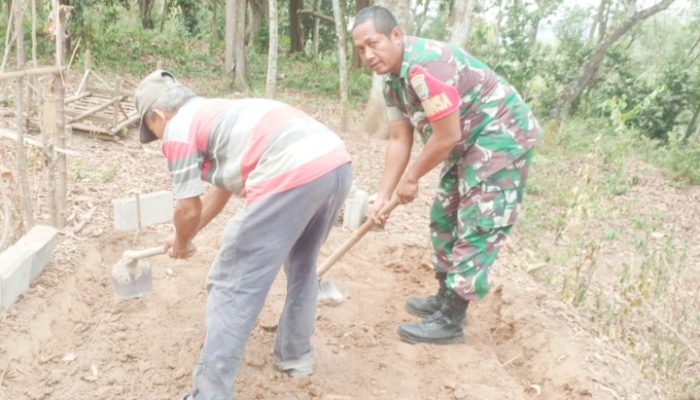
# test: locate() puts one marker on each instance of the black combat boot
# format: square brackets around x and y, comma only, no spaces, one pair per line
[426,306]
[443,327]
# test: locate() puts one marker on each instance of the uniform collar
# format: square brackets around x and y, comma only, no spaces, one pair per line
[405,64]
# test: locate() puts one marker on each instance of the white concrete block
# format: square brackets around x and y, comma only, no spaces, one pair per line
[355,209]
[15,274]
[40,241]
[156,208]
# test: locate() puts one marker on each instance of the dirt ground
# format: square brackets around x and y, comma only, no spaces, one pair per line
[70,338]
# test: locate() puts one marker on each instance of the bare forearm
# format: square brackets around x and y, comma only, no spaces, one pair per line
[397,155]
[398,152]
[188,213]
[213,201]
[446,134]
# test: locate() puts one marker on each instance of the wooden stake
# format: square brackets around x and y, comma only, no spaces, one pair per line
[59,91]
[48,129]
[61,164]
[19,106]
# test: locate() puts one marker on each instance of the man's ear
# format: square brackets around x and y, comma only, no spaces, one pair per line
[397,35]
[160,113]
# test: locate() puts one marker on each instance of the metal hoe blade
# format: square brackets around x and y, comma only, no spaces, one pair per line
[328,293]
[132,278]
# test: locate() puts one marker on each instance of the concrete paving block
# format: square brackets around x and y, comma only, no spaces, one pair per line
[355,209]
[156,208]
[40,240]
[15,274]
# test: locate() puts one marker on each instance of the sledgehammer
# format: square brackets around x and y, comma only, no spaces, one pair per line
[327,292]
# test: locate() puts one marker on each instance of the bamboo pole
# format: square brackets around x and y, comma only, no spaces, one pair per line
[59,93]
[77,97]
[32,80]
[21,74]
[8,36]
[133,118]
[95,109]
[21,126]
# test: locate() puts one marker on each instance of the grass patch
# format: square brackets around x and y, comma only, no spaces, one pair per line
[616,260]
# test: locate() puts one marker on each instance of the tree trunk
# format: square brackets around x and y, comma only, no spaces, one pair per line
[34,61]
[213,24]
[598,20]
[499,23]
[534,30]
[590,67]
[376,122]
[271,81]
[240,70]
[603,22]
[462,14]
[693,120]
[356,62]
[258,12]
[317,25]
[419,19]
[21,122]
[295,31]
[402,12]
[166,7]
[340,34]
[230,32]
[145,7]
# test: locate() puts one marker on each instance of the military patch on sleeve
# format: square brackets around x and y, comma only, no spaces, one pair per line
[437,98]
[420,87]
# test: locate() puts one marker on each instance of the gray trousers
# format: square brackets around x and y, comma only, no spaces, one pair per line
[287,228]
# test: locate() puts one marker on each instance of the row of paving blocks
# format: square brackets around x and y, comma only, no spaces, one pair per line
[21,263]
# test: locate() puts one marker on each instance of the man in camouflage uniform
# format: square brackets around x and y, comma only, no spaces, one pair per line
[475,124]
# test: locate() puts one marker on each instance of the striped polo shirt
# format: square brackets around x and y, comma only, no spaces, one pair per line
[252,147]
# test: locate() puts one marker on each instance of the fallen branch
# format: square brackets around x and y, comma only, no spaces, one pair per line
[35,142]
[84,220]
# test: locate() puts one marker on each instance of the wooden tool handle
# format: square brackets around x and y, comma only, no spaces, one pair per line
[138,254]
[356,236]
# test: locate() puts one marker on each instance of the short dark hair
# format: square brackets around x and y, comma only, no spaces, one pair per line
[384,21]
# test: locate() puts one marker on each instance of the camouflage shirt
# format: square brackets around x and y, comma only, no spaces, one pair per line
[437,79]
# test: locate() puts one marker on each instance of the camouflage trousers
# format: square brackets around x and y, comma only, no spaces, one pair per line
[469,225]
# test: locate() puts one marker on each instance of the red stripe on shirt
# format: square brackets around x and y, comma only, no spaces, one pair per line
[174,151]
[303,174]
[261,133]
[203,119]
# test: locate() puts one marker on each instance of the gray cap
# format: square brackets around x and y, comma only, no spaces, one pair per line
[148,91]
